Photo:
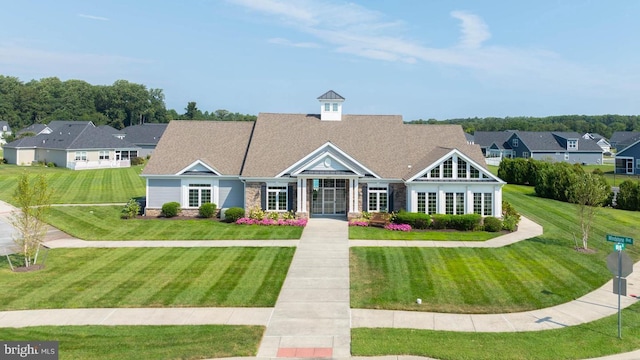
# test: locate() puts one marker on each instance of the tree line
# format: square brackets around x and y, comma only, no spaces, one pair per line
[119,105]
[604,125]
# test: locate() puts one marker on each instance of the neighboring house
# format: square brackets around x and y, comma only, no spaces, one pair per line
[628,160]
[544,145]
[470,138]
[5,130]
[113,131]
[321,165]
[494,143]
[621,139]
[78,145]
[35,129]
[600,140]
[146,136]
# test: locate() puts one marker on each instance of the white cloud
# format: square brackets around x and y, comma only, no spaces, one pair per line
[93,17]
[473,28]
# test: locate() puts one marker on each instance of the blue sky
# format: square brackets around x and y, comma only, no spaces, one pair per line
[420,59]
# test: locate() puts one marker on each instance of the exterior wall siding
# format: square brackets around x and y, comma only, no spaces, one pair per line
[573,158]
[10,155]
[231,194]
[58,157]
[162,191]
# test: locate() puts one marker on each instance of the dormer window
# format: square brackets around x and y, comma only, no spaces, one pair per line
[335,106]
[572,144]
[327,107]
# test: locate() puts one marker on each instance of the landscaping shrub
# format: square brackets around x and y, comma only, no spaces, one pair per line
[628,196]
[597,171]
[137,161]
[268,222]
[414,219]
[256,213]
[398,227]
[207,210]
[441,221]
[466,222]
[358,223]
[289,215]
[130,210]
[51,164]
[233,214]
[170,209]
[492,224]
[509,223]
[273,215]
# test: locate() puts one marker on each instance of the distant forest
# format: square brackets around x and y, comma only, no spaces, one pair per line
[604,125]
[118,105]
[125,103]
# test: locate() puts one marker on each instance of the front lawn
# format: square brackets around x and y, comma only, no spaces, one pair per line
[144,342]
[79,186]
[591,340]
[375,233]
[104,223]
[149,277]
[531,274]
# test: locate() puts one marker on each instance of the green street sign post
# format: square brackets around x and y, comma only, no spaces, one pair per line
[620,269]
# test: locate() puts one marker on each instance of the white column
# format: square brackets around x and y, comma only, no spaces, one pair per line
[304,194]
[441,201]
[469,200]
[355,195]
[497,201]
[299,195]
[351,191]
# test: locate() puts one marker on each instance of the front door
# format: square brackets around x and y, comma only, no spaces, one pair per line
[629,166]
[329,197]
[329,201]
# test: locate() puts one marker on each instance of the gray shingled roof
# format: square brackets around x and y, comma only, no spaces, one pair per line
[55,124]
[486,138]
[110,129]
[219,144]
[382,143]
[330,95]
[33,128]
[145,134]
[73,137]
[555,141]
[622,139]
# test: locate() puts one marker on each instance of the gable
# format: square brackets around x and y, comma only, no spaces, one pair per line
[327,159]
[199,167]
[455,166]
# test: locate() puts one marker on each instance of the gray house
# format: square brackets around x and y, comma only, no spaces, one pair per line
[494,143]
[75,145]
[325,164]
[555,146]
[621,139]
[628,160]
[145,136]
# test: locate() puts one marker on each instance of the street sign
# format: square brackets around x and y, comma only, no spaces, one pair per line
[618,246]
[622,283]
[626,264]
[620,239]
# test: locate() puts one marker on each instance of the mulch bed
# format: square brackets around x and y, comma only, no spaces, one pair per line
[28,268]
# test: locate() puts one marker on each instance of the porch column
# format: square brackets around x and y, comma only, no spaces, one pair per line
[299,195]
[355,195]
[351,193]
[303,190]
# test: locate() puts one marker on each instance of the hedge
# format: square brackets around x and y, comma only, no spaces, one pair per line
[416,220]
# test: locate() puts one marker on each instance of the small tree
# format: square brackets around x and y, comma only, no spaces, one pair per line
[589,192]
[33,199]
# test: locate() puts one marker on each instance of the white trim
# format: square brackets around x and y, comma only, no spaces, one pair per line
[457,152]
[301,164]
[198,162]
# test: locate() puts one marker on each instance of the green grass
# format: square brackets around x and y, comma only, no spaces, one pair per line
[149,277]
[595,339]
[104,223]
[531,274]
[144,342]
[79,186]
[373,233]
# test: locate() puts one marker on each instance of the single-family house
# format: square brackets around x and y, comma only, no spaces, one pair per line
[326,164]
[5,130]
[628,159]
[76,145]
[145,136]
[600,140]
[540,145]
[34,129]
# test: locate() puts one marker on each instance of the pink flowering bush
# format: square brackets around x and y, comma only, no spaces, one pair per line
[398,227]
[358,223]
[269,222]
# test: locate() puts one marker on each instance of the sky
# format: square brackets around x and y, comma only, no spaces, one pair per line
[422,59]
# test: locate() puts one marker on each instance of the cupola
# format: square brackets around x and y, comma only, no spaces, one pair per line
[331,106]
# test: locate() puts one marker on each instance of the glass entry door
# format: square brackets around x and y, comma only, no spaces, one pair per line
[329,197]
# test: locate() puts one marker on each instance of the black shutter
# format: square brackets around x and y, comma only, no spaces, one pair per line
[263,196]
[390,199]
[290,192]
